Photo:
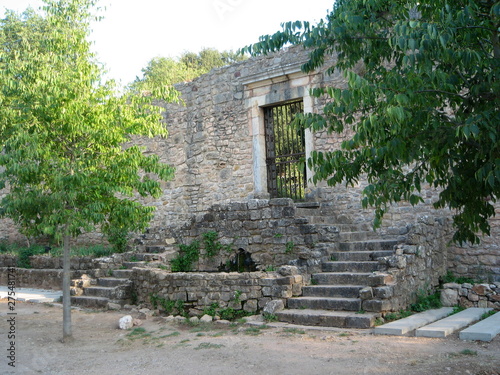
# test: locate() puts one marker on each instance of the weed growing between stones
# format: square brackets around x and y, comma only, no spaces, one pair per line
[426,302]
[487,314]
[268,317]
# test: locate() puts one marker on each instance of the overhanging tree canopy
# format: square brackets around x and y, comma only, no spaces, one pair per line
[424,109]
[63,133]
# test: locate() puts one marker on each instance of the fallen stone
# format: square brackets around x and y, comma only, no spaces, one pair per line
[194,320]
[126,322]
[206,318]
[137,322]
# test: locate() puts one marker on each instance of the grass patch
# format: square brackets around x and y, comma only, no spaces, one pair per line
[255,330]
[208,345]
[294,331]
[465,352]
[487,314]
[426,302]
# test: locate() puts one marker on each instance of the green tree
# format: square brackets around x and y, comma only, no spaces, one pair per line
[164,72]
[423,105]
[67,161]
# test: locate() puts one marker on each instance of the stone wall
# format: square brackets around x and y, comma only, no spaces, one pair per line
[418,264]
[270,231]
[248,291]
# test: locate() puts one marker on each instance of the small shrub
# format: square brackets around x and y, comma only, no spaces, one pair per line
[426,302]
[268,317]
[289,247]
[188,254]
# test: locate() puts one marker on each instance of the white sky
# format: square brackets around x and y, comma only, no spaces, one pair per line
[134,31]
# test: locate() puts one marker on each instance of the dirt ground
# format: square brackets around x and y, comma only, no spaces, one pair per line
[157,347]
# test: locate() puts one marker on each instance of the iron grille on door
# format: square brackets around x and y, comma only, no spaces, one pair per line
[285,152]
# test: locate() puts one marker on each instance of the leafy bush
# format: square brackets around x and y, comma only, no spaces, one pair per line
[426,302]
[188,254]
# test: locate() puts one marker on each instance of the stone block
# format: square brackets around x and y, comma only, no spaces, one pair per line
[274,306]
[449,297]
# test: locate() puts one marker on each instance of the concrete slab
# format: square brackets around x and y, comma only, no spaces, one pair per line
[32,295]
[446,326]
[403,326]
[485,330]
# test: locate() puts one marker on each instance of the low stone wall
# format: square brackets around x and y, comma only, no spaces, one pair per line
[36,278]
[469,295]
[248,291]
[419,263]
[268,229]
[76,263]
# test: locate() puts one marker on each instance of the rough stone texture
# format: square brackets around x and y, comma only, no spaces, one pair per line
[126,322]
[249,291]
[274,306]
[424,255]
[479,295]
[449,297]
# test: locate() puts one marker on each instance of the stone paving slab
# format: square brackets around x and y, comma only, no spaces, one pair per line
[446,326]
[32,295]
[403,326]
[485,330]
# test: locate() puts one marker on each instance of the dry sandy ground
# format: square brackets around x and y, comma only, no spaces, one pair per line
[176,349]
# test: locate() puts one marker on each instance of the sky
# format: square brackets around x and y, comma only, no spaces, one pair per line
[133,32]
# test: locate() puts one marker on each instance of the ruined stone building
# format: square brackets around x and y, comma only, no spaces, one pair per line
[238,173]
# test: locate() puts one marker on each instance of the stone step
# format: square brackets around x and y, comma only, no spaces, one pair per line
[368,245]
[351,278]
[101,291]
[123,274]
[345,291]
[325,303]
[485,330]
[131,265]
[446,326]
[326,318]
[403,326]
[357,236]
[360,256]
[349,266]
[91,302]
[110,281]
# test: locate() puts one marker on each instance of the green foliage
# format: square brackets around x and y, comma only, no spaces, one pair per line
[487,314]
[422,99]
[212,246]
[168,306]
[163,72]
[212,310]
[451,278]
[24,254]
[289,247]
[188,254]
[397,315]
[426,302]
[268,317]
[62,131]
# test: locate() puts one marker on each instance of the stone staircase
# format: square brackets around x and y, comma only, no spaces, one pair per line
[115,289]
[351,289]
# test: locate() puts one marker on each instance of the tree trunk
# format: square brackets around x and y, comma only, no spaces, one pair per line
[67,335]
